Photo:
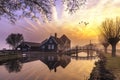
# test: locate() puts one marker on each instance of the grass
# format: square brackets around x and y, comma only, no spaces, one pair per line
[113,64]
[9,57]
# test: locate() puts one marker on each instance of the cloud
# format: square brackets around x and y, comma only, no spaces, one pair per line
[92,3]
[94,12]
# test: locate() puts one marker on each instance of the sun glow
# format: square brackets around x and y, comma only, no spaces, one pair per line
[94,12]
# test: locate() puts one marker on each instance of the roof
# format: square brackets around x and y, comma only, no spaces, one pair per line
[57,40]
[64,38]
[31,44]
[43,42]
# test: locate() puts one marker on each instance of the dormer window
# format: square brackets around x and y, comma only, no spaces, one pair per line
[43,47]
[52,46]
[50,41]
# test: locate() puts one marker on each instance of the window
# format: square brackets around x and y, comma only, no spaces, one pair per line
[49,47]
[50,41]
[52,46]
[43,47]
[18,48]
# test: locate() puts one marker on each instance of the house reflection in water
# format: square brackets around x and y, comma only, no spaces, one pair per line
[51,60]
[54,61]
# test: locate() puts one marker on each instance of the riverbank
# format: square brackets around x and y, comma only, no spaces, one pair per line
[4,58]
[102,69]
[113,65]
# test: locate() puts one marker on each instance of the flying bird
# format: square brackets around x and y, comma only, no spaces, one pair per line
[80,22]
[86,23]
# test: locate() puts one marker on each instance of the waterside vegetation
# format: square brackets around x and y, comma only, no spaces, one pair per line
[113,64]
[7,57]
[107,68]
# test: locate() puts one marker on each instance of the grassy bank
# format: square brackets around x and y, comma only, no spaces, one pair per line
[113,64]
[9,57]
[100,72]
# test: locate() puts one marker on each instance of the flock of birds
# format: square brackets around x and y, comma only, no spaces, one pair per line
[82,22]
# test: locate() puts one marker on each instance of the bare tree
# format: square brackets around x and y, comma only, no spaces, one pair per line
[110,29]
[13,9]
[103,42]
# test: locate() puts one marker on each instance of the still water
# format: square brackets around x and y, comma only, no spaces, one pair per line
[47,67]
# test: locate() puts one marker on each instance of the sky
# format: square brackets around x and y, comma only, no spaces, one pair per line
[93,12]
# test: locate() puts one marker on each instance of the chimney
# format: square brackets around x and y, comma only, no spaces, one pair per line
[55,35]
[90,41]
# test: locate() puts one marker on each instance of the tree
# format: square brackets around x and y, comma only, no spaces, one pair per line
[110,30]
[14,40]
[13,66]
[13,9]
[104,42]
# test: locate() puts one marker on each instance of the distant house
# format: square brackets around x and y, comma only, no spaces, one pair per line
[28,46]
[90,46]
[55,44]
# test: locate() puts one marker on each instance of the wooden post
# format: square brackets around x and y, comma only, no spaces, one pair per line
[88,53]
[76,51]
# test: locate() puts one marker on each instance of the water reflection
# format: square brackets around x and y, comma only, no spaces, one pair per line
[84,58]
[54,61]
[47,67]
[13,66]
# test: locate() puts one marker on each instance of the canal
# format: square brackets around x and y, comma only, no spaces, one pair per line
[47,67]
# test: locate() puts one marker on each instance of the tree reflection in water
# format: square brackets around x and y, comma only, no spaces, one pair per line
[52,61]
[13,66]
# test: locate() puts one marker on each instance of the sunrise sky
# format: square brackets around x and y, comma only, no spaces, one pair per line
[93,12]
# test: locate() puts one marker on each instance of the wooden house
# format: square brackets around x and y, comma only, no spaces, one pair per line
[55,44]
[52,44]
[28,46]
